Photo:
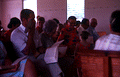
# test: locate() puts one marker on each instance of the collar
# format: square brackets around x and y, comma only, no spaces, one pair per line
[23,28]
[92,27]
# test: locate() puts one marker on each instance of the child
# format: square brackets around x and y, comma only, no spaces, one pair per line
[83,44]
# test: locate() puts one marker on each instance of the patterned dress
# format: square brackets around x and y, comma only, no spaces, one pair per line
[70,37]
[77,57]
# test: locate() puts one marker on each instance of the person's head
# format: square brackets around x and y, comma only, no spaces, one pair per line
[56,20]
[93,22]
[115,21]
[66,23]
[49,27]
[85,23]
[14,23]
[84,35]
[77,24]
[0,24]
[26,15]
[41,21]
[38,17]
[72,21]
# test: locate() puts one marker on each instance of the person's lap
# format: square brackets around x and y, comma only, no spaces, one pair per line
[47,70]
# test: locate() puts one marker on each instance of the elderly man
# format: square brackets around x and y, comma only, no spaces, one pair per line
[111,41]
[91,29]
[24,42]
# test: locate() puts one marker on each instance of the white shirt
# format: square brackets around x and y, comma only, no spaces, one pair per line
[19,39]
[108,42]
[37,39]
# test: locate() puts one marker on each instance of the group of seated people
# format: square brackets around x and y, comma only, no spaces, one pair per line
[25,39]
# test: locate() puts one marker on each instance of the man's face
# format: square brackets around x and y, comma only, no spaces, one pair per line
[31,16]
[72,23]
[86,25]
[93,23]
[31,20]
[41,24]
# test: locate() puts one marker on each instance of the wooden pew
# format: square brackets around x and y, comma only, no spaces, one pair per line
[99,63]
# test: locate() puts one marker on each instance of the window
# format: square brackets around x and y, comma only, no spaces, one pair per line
[30,4]
[75,8]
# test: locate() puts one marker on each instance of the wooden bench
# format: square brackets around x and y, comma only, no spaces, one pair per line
[99,63]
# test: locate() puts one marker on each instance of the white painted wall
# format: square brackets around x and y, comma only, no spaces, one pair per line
[0,10]
[10,8]
[101,10]
[52,9]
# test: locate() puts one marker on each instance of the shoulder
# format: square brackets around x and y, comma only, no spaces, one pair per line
[17,33]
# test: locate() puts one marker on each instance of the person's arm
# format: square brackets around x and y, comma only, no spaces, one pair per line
[30,45]
[76,49]
[8,68]
[61,36]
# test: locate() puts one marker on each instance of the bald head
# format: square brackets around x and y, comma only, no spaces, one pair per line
[93,22]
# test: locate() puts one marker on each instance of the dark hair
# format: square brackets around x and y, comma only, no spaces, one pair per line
[0,22]
[84,20]
[41,19]
[13,21]
[25,13]
[72,17]
[84,35]
[78,22]
[56,20]
[115,21]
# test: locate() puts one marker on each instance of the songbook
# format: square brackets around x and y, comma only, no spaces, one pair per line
[12,65]
[18,60]
[51,54]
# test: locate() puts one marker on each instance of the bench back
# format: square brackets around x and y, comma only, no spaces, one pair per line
[99,63]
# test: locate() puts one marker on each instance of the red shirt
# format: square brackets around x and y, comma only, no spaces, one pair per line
[69,35]
[70,38]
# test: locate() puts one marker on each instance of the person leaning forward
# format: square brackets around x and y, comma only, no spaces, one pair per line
[23,41]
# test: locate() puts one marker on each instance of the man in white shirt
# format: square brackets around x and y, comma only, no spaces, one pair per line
[24,42]
[84,26]
[112,40]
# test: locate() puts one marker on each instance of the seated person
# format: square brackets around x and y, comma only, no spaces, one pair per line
[38,32]
[91,29]
[13,24]
[77,24]
[112,40]
[83,44]
[49,29]
[39,27]
[23,68]
[1,31]
[84,26]
[24,43]
[58,30]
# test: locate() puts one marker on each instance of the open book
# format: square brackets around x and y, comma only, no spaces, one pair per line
[51,54]
[18,60]
[12,65]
